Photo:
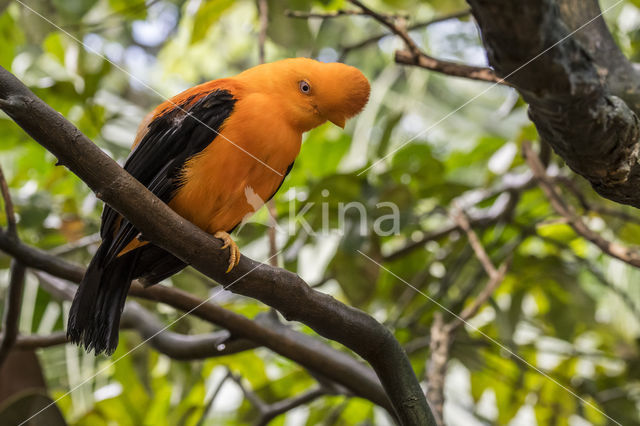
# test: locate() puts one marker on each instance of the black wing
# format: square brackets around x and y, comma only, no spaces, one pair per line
[172,138]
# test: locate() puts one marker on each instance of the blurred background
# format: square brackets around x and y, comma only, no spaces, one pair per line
[563,306]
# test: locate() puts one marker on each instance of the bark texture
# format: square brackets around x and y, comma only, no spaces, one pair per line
[582,92]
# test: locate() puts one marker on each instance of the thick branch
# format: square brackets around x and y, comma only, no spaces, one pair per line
[313,354]
[307,351]
[181,346]
[274,335]
[573,86]
[175,345]
[38,259]
[35,341]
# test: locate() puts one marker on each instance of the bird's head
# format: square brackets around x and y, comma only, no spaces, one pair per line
[312,92]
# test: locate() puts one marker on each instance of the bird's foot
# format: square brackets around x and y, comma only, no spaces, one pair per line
[234,251]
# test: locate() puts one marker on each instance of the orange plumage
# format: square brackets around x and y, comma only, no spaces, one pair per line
[200,151]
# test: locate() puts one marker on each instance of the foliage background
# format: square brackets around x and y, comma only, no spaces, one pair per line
[564,306]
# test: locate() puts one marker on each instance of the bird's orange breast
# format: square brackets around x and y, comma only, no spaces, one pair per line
[249,158]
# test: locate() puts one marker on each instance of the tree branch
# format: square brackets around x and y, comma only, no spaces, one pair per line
[439,345]
[35,258]
[174,345]
[12,307]
[312,354]
[35,341]
[263,13]
[449,68]
[442,334]
[264,331]
[576,89]
[278,288]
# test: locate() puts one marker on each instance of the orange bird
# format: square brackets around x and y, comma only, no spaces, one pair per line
[200,152]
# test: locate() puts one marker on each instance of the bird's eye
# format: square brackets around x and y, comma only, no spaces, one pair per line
[304,87]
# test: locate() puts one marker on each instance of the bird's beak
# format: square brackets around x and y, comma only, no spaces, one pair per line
[339,121]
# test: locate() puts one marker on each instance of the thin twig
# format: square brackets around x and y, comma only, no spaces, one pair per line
[471,310]
[263,10]
[397,29]
[12,307]
[415,56]
[439,345]
[253,398]
[214,395]
[463,222]
[289,404]
[453,69]
[8,206]
[592,207]
[374,39]
[270,411]
[301,14]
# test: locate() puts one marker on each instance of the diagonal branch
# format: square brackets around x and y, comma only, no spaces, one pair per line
[374,39]
[463,222]
[611,248]
[398,30]
[442,334]
[270,411]
[312,354]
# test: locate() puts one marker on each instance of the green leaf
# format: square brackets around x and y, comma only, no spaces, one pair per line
[207,15]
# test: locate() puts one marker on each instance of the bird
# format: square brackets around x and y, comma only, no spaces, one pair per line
[200,152]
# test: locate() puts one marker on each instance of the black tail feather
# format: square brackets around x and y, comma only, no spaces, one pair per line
[94,319]
[156,264]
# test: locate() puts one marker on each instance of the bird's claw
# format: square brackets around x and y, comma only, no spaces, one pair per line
[234,251]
